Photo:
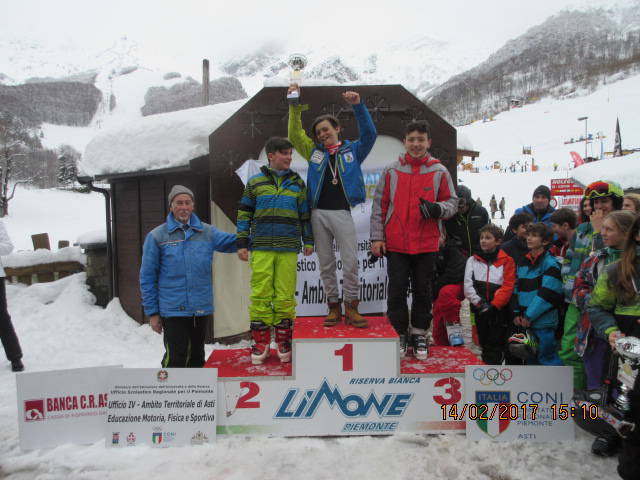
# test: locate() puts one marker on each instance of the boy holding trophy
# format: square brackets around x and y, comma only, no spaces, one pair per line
[335,185]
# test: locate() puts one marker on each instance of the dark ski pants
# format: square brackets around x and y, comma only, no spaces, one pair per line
[7,333]
[184,341]
[418,269]
[492,330]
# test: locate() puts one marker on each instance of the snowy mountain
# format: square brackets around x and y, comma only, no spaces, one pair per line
[572,53]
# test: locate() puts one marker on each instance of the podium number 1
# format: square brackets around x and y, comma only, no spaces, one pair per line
[346,353]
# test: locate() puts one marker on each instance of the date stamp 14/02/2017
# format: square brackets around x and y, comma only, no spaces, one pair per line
[514,412]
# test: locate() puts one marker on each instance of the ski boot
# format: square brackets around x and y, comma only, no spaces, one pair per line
[606,445]
[419,344]
[403,344]
[283,340]
[335,314]
[523,346]
[454,333]
[352,317]
[261,334]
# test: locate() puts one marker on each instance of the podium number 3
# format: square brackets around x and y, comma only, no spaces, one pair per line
[452,391]
[346,353]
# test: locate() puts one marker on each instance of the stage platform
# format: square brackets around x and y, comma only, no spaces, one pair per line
[236,363]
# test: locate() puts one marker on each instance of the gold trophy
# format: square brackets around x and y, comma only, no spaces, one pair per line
[297,62]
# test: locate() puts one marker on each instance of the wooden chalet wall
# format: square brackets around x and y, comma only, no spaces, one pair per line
[243,136]
[139,204]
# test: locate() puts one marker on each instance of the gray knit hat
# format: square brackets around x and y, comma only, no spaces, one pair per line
[177,190]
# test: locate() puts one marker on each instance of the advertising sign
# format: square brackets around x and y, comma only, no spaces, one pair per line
[340,387]
[373,287]
[339,406]
[566,193]
[505,403]
[62,406]
[161,407]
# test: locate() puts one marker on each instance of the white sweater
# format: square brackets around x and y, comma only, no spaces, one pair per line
[6,247]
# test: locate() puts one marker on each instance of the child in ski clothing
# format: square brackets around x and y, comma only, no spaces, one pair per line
[413,195]
[589,347]
[538,294]
[273,216]
[614,311]
[489,280]
[604,197]
[335,184]
[448,293]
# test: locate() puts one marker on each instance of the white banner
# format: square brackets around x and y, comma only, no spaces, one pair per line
[310,294]
[161,407]
[62,406]
[507,403]
[340,387]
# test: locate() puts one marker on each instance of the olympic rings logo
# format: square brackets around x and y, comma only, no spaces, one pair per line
[492,375]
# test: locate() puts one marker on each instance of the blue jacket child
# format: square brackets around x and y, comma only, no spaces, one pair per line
[538,293]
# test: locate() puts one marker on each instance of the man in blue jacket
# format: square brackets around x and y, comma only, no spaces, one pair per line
[539,208]
[175,279]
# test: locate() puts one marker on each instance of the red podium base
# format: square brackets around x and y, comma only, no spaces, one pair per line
[236,363]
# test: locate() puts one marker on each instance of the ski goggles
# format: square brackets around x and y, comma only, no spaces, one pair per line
[600,189]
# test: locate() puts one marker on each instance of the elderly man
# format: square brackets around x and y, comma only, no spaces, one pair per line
[175,279]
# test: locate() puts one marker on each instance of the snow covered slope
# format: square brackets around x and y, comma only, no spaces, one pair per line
[546,125]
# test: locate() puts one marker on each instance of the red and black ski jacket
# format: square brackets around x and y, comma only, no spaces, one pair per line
[490,282]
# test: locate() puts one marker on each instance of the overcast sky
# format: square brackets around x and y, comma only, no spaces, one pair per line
[219,29]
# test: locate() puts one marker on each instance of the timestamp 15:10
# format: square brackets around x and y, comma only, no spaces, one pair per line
[562,411]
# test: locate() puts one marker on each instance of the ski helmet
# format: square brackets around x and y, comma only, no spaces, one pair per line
[604,189]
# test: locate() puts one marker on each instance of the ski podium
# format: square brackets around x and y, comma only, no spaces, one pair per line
[341,381]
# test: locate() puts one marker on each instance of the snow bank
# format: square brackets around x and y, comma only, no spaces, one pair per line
[158,141]
[42,255]
[624,170]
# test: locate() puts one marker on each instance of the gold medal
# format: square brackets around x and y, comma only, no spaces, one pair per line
[334,181]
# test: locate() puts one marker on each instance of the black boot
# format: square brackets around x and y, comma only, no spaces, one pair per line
[606,445]
[17,366]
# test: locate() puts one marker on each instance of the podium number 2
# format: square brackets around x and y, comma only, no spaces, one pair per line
[346,353]
[452,391]
[253,390]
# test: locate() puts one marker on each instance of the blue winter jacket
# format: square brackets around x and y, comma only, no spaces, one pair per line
[544,217]
[349,156]
[539,290]
[175,275]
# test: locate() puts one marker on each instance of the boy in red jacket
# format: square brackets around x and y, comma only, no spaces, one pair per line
[489,279]
[413,195]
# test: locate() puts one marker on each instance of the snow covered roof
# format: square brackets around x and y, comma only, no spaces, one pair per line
[155,142]
[283,81]
[624,170]
[43,256]
[464,143]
